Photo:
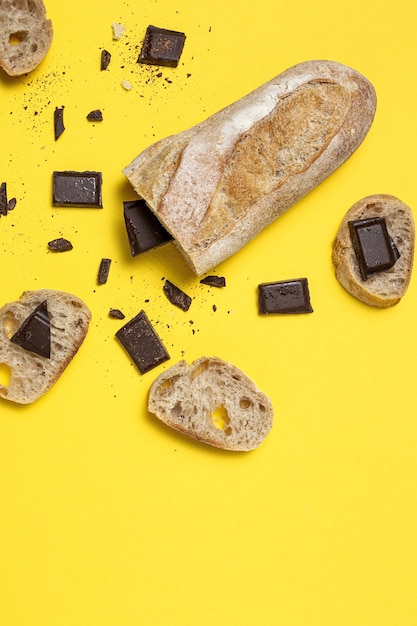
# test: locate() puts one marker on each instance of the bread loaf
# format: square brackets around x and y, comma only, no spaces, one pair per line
[216,185]
[31,374]
[386,288]
[212,401]
[25,35]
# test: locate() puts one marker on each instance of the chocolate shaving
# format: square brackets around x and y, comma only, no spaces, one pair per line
[58,122]
[116,314]
[103,272]
[214,281]
[95,116]
[60,245]
[105,59]
[177,296]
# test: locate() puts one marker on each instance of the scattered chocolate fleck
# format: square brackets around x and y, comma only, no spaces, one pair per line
[103,272]
[287,296]
[141,342]
[79,189]
[176,296]
[58,122]
[161,47]
[105,60]
[60,245]
[95,116]
[214,308]
[214,281]
[35,332]
[144,230]
[116,314]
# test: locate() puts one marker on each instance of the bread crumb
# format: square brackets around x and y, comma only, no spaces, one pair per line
[118,30]
[126,85]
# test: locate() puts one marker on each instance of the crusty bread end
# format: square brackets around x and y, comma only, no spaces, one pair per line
[31,375]
[212,401]
[25,35]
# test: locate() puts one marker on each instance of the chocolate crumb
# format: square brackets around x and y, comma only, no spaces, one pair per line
[103,272]
[58,122]
[95,116]
[214,281]
[116,314]
[177,296]
[105,60]
[60,245]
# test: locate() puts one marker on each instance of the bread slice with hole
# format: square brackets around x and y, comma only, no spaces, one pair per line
[25,35]
[212,401]
[382,289]
[218,184]
[32,375]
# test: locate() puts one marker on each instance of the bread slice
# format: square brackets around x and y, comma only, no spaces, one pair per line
[216,185]
[382,289]
[31,375]
[214,402]
[25,35]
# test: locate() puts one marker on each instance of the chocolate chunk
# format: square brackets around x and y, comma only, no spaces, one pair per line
[105,59]
[3,199]
[78,189]
[214,281]
[103,271]
[35,332]
[116,314]
[141,342]
[287,296]
[95,116]
[161,47]
[11,204]
[375,250]
[58,122]
[176,296]
[60,245]
[144,230]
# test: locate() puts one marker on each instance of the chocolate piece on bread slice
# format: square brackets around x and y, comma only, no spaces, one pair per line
[212,401]
[215,186]
[393,225]
[25,35]
[31,373]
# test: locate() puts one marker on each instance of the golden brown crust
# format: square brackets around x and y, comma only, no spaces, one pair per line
[383,289]
[218,184]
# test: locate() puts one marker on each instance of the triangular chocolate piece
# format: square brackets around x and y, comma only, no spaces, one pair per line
[35,332]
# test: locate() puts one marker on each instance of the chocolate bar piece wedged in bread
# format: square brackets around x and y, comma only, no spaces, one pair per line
[215,186]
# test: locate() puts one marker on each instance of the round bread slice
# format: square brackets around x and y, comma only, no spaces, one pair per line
[214,402]
[31,374]
[386,288]
[25,35]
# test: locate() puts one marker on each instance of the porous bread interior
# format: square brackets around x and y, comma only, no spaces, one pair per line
[382,289]
[186,397]
[31,375]
[25,35]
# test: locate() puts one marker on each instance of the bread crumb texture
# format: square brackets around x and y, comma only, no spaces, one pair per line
[25,35]
[214,402]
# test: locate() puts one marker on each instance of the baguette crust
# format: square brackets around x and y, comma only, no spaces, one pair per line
[216,185]
[32,375]
[186,398]
[383,289]
[25,35]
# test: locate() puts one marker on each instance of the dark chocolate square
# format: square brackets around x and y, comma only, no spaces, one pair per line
[142,343]
[374,248]
[144,230]
[78,189]
[161,47]
[34,334]
[287,296]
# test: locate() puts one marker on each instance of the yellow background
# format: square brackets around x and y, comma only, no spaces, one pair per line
[107,518]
